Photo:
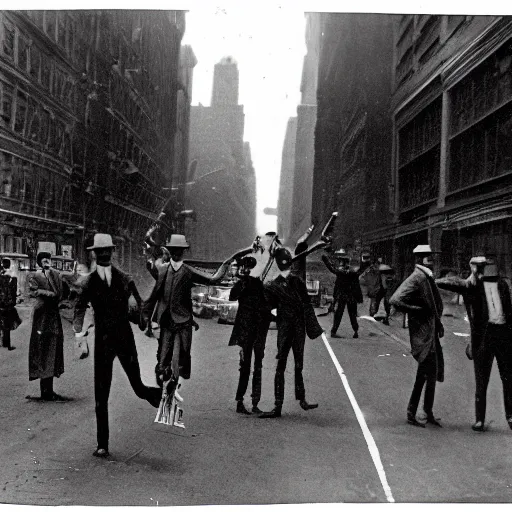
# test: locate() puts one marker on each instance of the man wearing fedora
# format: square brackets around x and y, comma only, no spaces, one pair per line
[347,291]
[419,297]
[46,348]
[295,319]
[108,290]
[172,298]
[488,304]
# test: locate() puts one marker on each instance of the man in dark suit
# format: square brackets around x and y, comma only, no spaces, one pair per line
[249,332]
[295,318]
[108,290]
[488,303]
[347,291]
[171,296]
[9,318]
[419,297]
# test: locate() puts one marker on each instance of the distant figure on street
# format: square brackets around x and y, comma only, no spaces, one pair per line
[161,257]
[295,318]
[488,304]
[383,292]
[347,291]
[46,349]
[249,331]
[419,297]
[9,318]
[172,298]
[108,290]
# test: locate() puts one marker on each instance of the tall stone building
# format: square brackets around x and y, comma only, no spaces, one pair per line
[353,128]
[88,114]
[285,199]
[223,190]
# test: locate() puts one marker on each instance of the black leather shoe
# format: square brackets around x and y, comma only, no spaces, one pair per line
[355,335]
[413,421]
[509,421]
[334,335]
[256,410]
[102,453]
[478,426]
[307,406]
[240,408]
[274,413]
[434,421]
[385,321]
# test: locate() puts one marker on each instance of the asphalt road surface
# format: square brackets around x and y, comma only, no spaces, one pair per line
[318,456]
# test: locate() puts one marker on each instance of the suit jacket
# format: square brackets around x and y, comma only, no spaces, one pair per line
[172,292]
[476,304]
[295,314]
[110,305]
[419,297]
[346,287]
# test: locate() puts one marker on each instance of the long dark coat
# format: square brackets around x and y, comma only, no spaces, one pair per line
[346,286]
[46,349]
[9,318]
[419,297]
[476,304]
[295,314]
[253,317]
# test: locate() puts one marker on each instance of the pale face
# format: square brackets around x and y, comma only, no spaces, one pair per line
[46,263]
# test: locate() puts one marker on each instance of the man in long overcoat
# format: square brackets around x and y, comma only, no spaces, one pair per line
[347,291]
[171,295]
[249,331]
[9,318]
[488,303]
[419,297]
[295,318]
[108,290]
[46,348]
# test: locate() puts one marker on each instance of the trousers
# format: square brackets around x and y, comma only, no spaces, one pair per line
[375,303]
[105,351]
[338,315]
[245,370]
[497,342]
[426,373]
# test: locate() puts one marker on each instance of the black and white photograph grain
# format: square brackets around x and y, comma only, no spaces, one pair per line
[255,254]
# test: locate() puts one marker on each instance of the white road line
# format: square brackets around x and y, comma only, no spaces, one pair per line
[372,447]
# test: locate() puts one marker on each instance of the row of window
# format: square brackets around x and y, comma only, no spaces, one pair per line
[479,146]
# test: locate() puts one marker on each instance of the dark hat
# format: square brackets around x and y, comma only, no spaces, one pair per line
[41,255]
[283,258]
[6,263]
[248,262]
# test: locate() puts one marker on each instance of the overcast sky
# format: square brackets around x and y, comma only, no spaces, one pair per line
[269,47]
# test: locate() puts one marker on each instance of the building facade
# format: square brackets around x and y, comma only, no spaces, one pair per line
[353,133]
[452,119]
[222,193]
[88,115]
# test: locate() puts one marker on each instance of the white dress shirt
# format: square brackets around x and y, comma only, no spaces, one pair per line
[176,265]
[492,295]
[105,273]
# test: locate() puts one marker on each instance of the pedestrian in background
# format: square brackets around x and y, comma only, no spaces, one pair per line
[108,290]
[383,293]
[488,304]
[249,331]
[46,349]
[9,318]
[295,318]
[419,297]
[347,291]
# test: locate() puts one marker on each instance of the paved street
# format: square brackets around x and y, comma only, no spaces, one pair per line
[225,458]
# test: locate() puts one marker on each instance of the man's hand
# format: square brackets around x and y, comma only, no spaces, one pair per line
[142,323]
[306,235]
[195,325]
[440,329]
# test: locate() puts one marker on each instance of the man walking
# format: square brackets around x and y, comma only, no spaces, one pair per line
[419,297]
[9,318]
[295,318]
[487,299]
[250,331]
[347,291]
[108,289]
[46,348]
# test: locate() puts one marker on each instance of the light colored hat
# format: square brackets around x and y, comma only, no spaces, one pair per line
[385,268]
[101,241]
[340,253]
[178,241]
[422,249]
[478,260]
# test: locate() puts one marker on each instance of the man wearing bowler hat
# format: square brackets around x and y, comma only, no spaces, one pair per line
[419,297]
[488,303]
[108,290]
[46,349]
[171,295]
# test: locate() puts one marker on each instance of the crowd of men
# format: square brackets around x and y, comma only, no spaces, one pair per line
[116,303]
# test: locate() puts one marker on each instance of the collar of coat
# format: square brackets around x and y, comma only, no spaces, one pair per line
[425,270]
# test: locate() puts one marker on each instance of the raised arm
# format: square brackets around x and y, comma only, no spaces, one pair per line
[328,264]
[453,284]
